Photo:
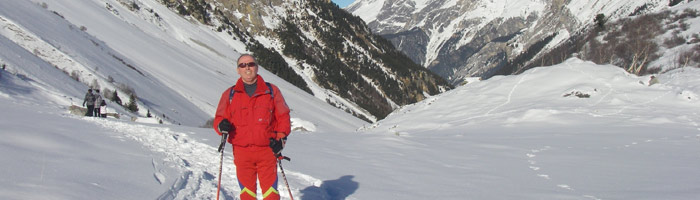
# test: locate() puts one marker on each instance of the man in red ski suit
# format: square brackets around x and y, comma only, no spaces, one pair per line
[257,119]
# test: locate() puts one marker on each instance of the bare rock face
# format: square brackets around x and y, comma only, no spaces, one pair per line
[322,49]
[459,39]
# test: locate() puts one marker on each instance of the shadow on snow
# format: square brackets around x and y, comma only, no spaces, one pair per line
[9,83]
[340,188]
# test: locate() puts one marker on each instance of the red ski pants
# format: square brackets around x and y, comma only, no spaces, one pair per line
[254,163]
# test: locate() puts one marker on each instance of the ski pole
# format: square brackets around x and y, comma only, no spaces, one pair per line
[279,162]
[221,162]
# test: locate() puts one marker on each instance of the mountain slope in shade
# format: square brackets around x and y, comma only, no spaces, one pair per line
[459,39]
[323,50]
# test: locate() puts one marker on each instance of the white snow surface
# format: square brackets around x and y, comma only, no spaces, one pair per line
[510,137]
[525,136]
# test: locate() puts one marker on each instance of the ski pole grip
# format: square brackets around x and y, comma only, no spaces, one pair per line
[223,142]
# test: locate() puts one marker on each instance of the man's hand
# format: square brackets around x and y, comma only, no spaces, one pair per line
[224,126]
[277,144]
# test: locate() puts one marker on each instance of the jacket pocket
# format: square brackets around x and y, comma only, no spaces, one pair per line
[262,115]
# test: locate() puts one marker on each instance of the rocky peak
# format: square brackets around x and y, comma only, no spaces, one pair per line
[459,39]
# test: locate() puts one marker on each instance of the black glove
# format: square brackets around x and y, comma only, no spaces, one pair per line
[277,146]
[224,126]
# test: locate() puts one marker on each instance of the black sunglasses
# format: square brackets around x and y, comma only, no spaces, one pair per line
[250,64]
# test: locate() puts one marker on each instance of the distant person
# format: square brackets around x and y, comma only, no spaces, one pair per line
[98,100]
[103,109]
[89,101]
[256,117]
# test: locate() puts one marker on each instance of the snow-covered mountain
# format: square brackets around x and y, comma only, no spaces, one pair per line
[176,67]
[459,39]
[130,45]
[576,130]
[322,49]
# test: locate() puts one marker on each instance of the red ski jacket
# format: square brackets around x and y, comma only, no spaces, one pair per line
[255,119]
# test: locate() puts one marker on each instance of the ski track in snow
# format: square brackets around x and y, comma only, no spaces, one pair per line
[158,172]
[198,162]
[537,169]
[510,94]
[694,124]
[531,156]
[626,106]
[490,112]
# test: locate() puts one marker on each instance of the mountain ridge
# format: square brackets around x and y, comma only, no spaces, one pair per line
[358,72]
[460,39]
[316,43]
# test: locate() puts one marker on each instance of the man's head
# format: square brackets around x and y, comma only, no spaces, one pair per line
[90,90]
[248,68]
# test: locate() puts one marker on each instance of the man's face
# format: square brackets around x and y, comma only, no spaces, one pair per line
[248,69]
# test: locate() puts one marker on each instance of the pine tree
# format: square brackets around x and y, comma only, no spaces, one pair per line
[132,106]
[600,21]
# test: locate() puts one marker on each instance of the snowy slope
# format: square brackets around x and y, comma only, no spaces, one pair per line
[182,67]
[514,137]
[518,137]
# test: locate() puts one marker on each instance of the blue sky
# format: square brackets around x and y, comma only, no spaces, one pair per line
[343,3]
